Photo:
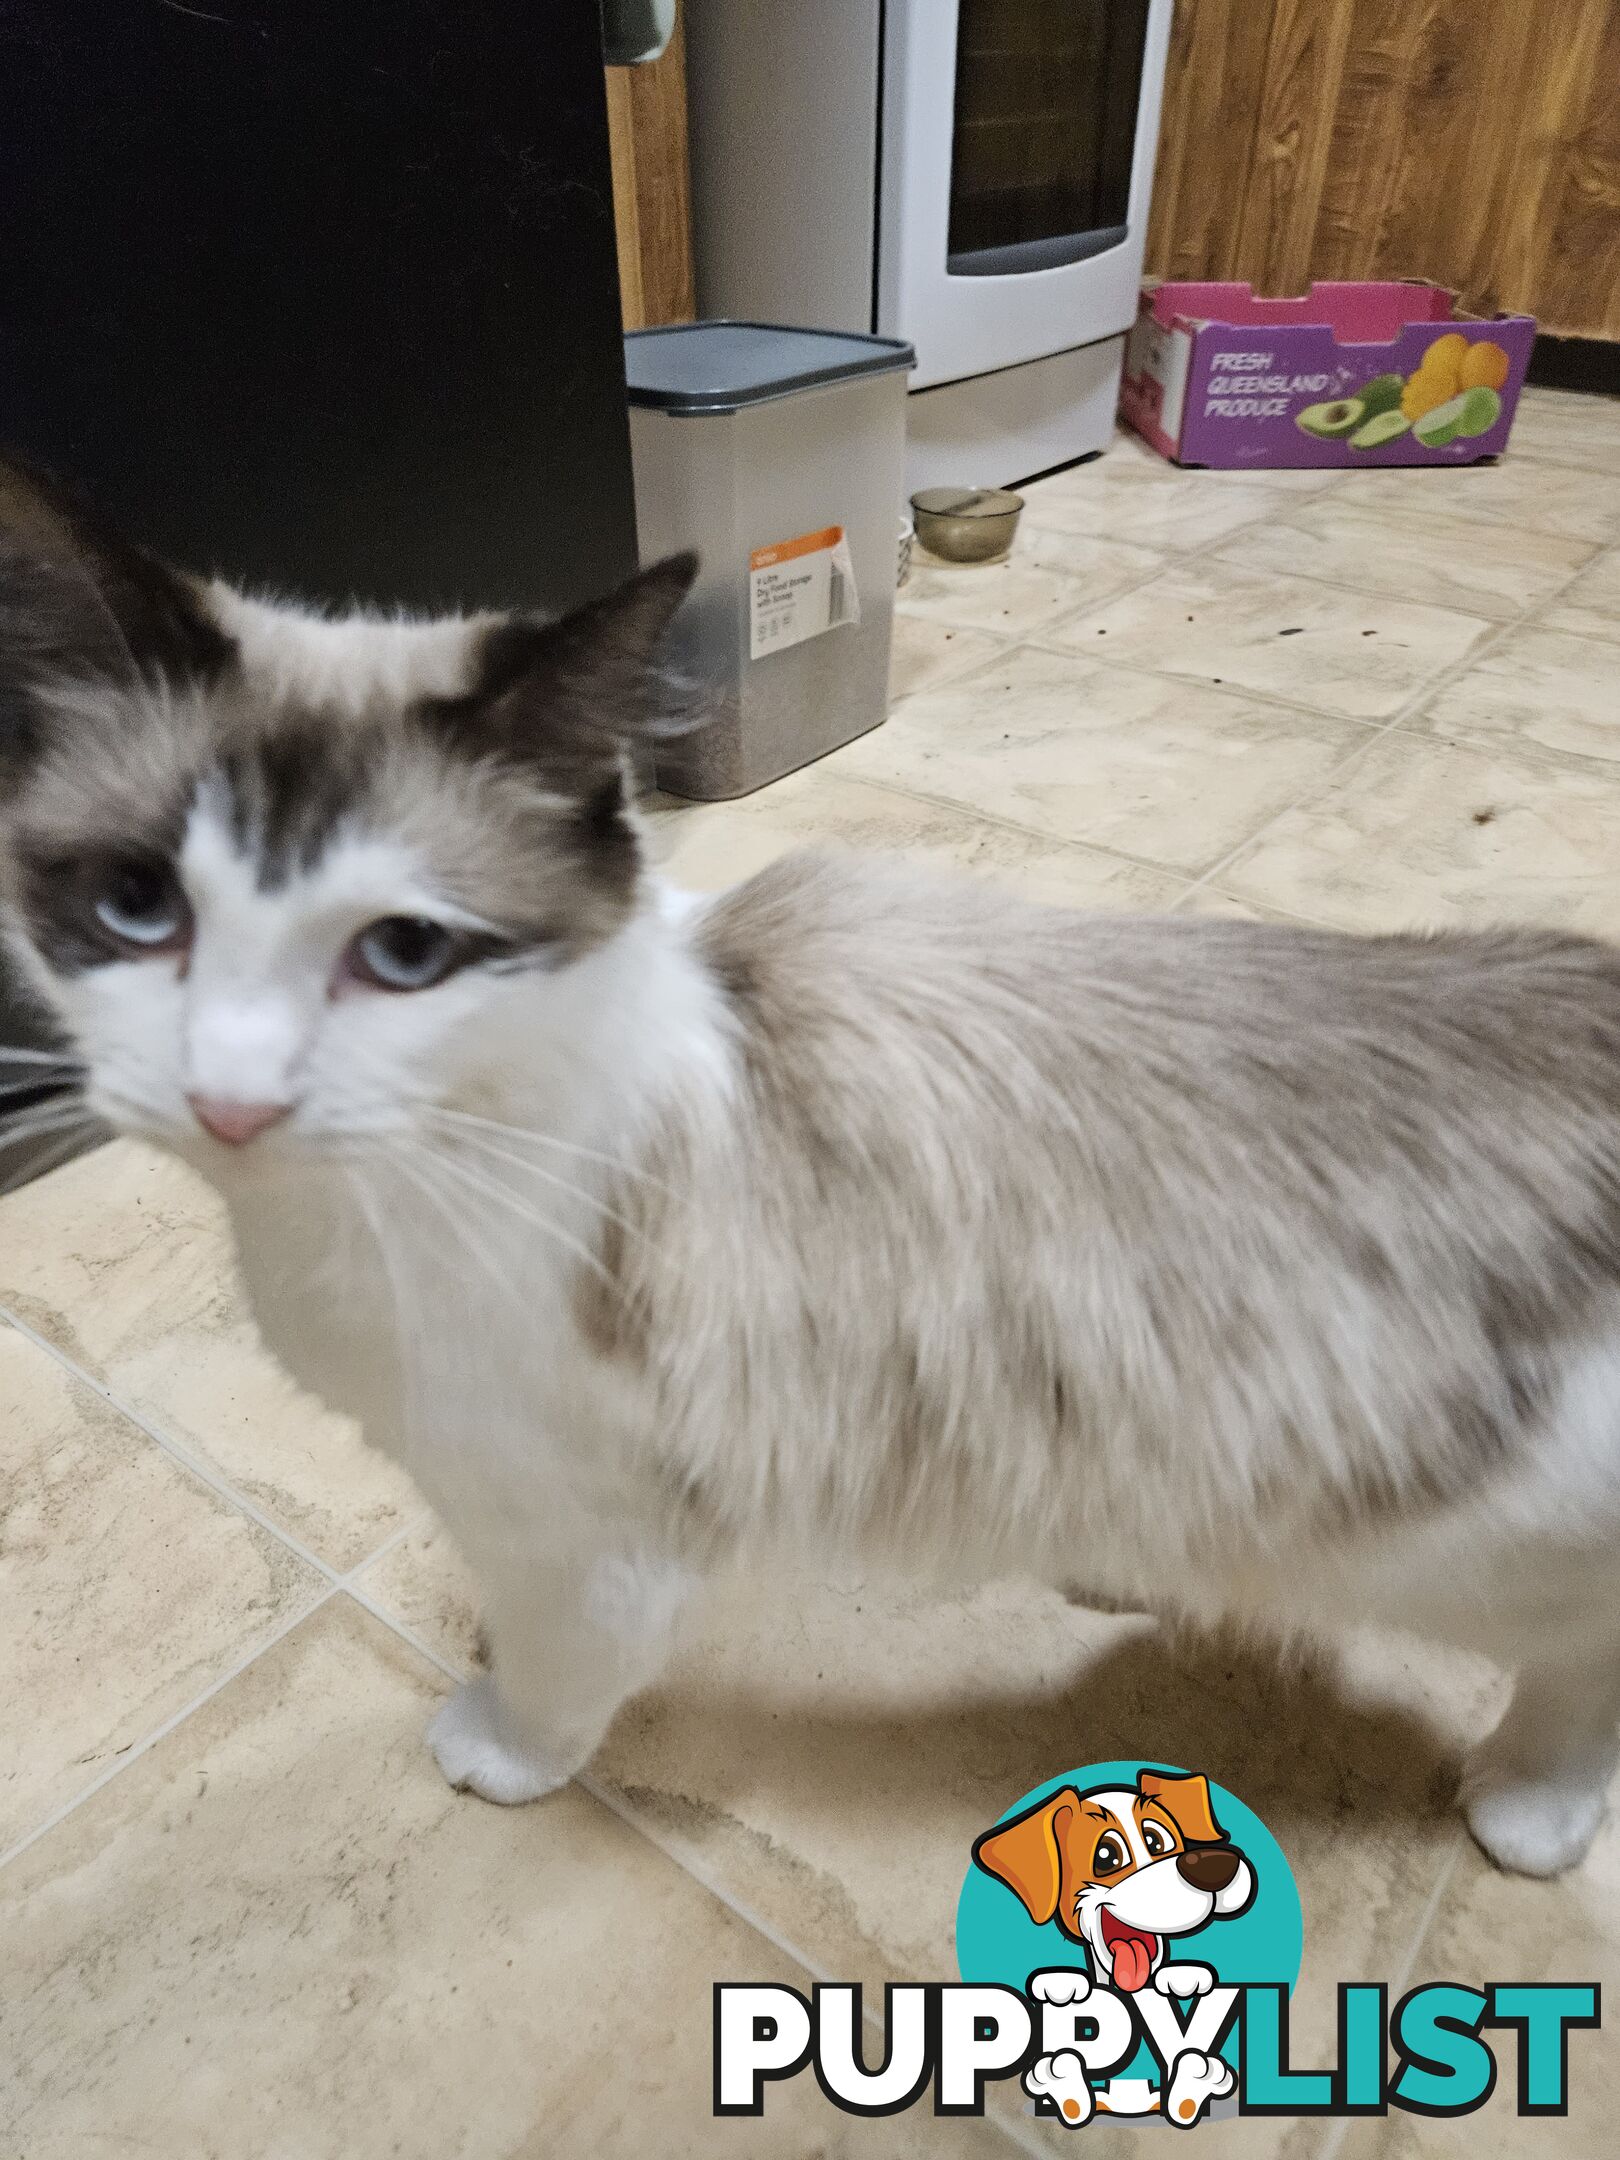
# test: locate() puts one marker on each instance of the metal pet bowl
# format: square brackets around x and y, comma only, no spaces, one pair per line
[967,524]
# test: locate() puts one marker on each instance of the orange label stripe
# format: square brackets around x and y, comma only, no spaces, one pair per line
[766,558]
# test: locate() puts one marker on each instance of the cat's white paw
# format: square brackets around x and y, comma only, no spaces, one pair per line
[1533,1826]
[474,1748]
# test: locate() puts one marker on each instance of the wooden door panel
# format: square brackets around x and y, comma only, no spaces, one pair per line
[1476,142]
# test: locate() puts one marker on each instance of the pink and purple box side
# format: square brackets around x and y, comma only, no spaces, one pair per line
[1215,375]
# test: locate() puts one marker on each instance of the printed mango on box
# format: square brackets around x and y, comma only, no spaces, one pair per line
[1350,375]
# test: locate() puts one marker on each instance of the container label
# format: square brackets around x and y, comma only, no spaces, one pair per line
[798,588]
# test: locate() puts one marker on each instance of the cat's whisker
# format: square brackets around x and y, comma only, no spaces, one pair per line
[372,1215]
[62,1088]
[487,1189]
[414,1169]
[475,1232]
[417,1172]
[48,1118]
[14,1054]
[58,1083]
[577,1192]
[42,1119]
[438,1114]
[409,1162]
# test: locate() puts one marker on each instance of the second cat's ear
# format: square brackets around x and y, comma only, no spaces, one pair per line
[79,600]
[578,689]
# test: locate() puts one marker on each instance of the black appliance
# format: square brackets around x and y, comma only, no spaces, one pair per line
[324,296]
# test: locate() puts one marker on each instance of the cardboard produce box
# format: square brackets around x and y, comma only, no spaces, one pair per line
[1355,374]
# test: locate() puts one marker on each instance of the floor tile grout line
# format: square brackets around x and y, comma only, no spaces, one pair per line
[406,1633]
[334,1585]
[1606,640]
[172,1448]
[1532,614]
[1168,559]
[1518,614]
[1374,731]
[1043,635]
[1411,514]
[202,1470]
[674,1850]
[1298,707]
[1264,909]
[623,1809]
[1398,1980]
[161,1731]
[347,1586]
[1043,638]
[951,675]
[1536,753]
[1327,781]
[1212,551]
[1429,688]
[1431,1906]
[1603,640]
[1039,641]
[1442,678]
[679,1855]
[1562,464]
[1011,2127]
[1395,724]
[1025,832]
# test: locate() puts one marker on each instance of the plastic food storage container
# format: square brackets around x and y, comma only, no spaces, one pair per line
[779,455]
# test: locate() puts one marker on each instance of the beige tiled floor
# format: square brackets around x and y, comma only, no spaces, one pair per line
[241,1916]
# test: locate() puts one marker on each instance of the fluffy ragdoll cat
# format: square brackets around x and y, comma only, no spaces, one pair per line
[855,1212]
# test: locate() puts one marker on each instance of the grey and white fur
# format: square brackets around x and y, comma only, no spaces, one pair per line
[853,1214]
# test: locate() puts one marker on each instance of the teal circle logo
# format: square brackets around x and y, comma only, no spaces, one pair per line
[1128,1871]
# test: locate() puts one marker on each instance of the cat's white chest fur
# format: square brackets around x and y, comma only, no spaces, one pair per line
[408,1313]
[432,1290]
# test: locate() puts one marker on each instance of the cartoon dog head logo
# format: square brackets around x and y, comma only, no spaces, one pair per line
[1121,1870]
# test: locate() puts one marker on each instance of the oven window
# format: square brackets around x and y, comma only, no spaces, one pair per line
[1045,127]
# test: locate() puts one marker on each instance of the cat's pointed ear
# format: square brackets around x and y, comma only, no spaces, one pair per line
[78,600]
[578,689]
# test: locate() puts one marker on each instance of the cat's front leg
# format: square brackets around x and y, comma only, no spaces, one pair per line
[570,1639]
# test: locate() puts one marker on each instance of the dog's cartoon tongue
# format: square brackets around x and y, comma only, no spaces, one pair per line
[1131,1950]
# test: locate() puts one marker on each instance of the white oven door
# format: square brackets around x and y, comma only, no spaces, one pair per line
[1017,157]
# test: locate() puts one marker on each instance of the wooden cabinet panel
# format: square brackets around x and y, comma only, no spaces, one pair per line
[1476,142]
[652,208]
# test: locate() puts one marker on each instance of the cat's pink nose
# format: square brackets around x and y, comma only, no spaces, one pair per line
[236,1122]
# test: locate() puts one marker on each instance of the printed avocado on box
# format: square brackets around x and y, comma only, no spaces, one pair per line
[1348,375]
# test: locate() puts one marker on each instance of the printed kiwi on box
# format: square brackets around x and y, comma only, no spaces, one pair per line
[1367,373]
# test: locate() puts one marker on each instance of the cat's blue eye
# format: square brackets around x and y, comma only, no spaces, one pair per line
[404,952]
[142,906]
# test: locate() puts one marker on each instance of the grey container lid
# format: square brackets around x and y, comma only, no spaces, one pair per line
[719,367]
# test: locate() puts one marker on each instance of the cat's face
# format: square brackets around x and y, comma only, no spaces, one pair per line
[286,882]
